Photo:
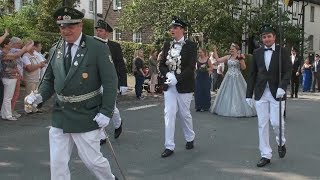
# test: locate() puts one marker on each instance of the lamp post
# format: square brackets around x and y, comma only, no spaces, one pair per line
[302,30]
[95,19]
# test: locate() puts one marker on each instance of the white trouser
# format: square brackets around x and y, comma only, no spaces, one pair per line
[9,86]
[30,86]
[177,103]
[88,145]
[153,82]
[116,119]
[268,108]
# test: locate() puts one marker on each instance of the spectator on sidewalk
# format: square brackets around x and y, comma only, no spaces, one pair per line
[316,74]
[6,33]
[306,75]
[214,74]
[153,71]
[41,57]
[16,44]
[295,75]
[9,75]
[202,95]
[138,72]
[220,70]
[32,67]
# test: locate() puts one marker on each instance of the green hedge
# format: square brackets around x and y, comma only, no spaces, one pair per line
[47,39]
[88,27]
[128,49]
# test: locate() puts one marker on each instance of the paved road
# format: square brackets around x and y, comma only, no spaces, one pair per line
[225,148]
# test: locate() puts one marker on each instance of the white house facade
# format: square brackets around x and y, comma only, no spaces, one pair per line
[87,7]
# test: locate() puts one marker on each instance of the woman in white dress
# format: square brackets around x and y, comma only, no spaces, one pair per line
[231,98]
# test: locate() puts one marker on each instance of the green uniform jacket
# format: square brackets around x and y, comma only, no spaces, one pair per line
[92,67]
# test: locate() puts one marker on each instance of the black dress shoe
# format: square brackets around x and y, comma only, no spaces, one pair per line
[263,161]
[166,153]
[282,151]
[189,145]
[296,96]
[118,131]
[103,141]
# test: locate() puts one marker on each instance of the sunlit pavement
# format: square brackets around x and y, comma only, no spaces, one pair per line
[225,148]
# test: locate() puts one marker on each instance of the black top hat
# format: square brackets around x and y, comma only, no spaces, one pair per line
[178,22]
[68,16]
[104,25]
[267,28]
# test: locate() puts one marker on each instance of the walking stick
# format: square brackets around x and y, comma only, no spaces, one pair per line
[280,68]
[113,153]
[53,54]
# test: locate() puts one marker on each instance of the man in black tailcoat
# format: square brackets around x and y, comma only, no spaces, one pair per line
[264,83]
[177,65]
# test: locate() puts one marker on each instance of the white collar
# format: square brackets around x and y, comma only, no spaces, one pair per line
[273,47]
[180,40]
[77,42]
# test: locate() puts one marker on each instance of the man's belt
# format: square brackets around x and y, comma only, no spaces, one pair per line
[80,98]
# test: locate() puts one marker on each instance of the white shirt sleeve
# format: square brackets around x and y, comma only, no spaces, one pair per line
[39,56]
[26,60]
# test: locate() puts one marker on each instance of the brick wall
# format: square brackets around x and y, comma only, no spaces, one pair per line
[112,19]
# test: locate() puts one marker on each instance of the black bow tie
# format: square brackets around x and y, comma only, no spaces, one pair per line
[268,49]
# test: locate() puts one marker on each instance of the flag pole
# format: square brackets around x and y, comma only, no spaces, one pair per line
[280,68]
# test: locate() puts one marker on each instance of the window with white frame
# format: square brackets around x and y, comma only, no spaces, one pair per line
[91,5]
[295,9]
[310,42]
[117,5]
[117,34]
[312,14]
[137,37]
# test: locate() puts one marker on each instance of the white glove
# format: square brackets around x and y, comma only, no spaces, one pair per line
[33,99]
[280,93]
[102,120]
[171,79]
[123,90]
[250,102]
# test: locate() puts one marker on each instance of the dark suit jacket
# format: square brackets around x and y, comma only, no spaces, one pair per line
[313,67]
[259,75]
[186,81]
[296,66]
[117,57]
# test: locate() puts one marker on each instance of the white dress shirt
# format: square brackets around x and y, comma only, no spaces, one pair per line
[74,47]
[292,59]
[268,55]
[178,46]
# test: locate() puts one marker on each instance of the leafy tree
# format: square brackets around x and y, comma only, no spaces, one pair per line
[221,22]
[46,8]
[6,6]
[35,21]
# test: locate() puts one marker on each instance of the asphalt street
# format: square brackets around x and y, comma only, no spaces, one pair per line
[225,148]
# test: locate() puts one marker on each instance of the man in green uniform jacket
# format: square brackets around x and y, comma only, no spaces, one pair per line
[80,68]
